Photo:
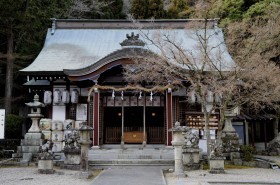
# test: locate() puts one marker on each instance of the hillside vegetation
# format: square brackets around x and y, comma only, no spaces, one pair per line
[251,27]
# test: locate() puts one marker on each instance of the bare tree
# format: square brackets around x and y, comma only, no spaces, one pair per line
[206,68]
[81,7]
[213,78]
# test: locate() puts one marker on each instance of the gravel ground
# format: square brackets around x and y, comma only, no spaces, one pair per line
[30,176]
[202,177]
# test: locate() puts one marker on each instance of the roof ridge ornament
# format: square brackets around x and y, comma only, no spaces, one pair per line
[132,41]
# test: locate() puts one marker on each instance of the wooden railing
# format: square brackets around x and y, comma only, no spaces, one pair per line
[155,135]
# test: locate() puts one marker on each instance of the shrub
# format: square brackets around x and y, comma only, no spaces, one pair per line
[247,151]
[13,126]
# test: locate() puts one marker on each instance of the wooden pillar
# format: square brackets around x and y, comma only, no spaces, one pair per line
[246,133]
[265,136]
[122,138]
[144,121]
[96,97]
[253,133]
[169,116]
[275,126]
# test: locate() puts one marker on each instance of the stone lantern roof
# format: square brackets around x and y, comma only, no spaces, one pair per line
[35,102]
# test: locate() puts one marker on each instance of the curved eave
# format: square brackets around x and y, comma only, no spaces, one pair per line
[42,73]
[119,57]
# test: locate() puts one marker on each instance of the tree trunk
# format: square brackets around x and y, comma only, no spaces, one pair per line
[9,71]
[207,134]
[221,124]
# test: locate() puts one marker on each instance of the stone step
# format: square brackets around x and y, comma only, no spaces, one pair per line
[156,162]
[129,156]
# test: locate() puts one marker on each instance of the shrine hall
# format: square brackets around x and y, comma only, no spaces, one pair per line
[79,76]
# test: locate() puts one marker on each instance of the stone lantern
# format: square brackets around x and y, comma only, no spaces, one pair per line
[178,142]
[85,142]
[34,138]
[230,138]
[35,114]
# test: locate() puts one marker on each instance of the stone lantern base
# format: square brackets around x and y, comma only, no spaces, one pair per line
[30,147]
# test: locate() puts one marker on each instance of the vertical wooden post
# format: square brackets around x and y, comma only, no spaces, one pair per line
[122,139]
[246,133]
[252,131]
[265,136]
[144,121]
[169,116]
[96,98]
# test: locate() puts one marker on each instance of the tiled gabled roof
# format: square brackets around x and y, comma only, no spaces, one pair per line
[72,45]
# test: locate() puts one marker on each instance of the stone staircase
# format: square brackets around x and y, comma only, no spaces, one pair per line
[132,155]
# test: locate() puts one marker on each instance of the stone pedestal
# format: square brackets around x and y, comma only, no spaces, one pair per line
[191,160]
[45,166]
[217,165]
[29,146]
[72,159]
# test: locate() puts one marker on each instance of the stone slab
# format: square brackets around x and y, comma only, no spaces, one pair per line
[32,142]
[30,149]
[33,136]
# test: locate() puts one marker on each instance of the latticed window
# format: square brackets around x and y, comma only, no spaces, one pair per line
[72,112]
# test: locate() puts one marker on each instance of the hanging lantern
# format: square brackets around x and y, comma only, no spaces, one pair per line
[151,96]
[57,96]
[209,96]
[47,97]
[74,96]
[192,97]
[140,95]
[65,96]
[113,94]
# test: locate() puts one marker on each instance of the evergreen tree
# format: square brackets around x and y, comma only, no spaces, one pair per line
[22,25]
[156,9]
[228,10]
[139,9]
[179,9]
[111,9]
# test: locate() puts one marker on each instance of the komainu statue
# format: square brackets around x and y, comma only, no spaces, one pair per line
[191,139]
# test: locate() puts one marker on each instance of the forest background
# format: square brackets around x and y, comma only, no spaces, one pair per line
[251,27]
